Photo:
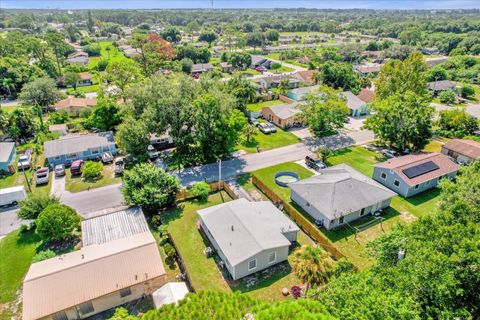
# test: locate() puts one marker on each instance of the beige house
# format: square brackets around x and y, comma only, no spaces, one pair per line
[462,150]
[283,116]
[119,263]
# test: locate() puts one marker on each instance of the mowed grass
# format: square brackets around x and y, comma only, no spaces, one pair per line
[265,142]
[182,225]
[16,253]
[257,107]
[78,184]
[111,54]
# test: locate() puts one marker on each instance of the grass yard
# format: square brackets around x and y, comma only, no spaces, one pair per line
[112,54]
[16,253]
[264,142]
[77,184]
[257,107]
[182,225]
[18,179]
[85,89]
[282,69]
[249,72]
[359,158]
[435,145]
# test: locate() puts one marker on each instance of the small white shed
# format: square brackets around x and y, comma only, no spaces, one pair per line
[171,292]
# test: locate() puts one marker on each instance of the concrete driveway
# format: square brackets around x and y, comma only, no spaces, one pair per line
[355,124]
[58,186]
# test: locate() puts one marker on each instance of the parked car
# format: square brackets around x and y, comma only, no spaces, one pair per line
[389,153]
[312,161]
[25,160]
[253,121]
[76,167]
[263,127]
[12,196]
[107,157]
[59,170]
[41,176]
[152,152]
[195,75]
[261,69]
[272,127]
[119,165]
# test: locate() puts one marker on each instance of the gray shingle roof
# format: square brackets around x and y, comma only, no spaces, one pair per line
[441,85]
[353,102]
[74,144]
[285,111]
[305,90]
[339,190]
[5,150]
[242,229]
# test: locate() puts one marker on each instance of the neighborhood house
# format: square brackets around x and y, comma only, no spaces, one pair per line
[282,115]
[8,155]
[438,86]
[259,61]
[412,174]
[300,94]
[462,150]
[81,147]
[357,106]
[74,106]
[201,68]
[61,129]
[339,195]
[248,236]
[78,57]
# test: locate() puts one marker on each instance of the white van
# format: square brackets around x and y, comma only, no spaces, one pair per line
[12,196]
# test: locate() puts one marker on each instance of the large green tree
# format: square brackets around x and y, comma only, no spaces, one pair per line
[34,204]
[312,265]
[132,138]
[106,115]
[457,123]
[56,222]
[149,187]
[122,73]
[339,75]
[42,92]
[403,121]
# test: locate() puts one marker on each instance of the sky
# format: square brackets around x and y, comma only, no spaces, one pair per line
[221,4]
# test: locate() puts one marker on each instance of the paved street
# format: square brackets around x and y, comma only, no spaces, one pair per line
[9,220]
[94,199]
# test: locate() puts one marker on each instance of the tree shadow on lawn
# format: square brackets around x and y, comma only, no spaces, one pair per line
[28,237]
[243,179]
[423,197]
[253,143]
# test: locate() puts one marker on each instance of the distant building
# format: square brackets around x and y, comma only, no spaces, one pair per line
[366,95]
[414,173]
[78,57]
[339,195]
[431,62]
[306,76]
[8,157]
[80,147]
[226,67]
[85,79]
[443,85]
[462,150]
[259,61]
[61,129]
[357,106]
[269,82]
[74,106]
[248,236]
[201,68]
[301,94]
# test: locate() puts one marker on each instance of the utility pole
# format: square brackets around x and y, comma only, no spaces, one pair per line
[26,179]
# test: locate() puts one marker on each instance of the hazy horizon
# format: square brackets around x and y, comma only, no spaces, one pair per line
[244,4]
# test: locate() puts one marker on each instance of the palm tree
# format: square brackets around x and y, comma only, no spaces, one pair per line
[283,86]
[312,265]
[249,132]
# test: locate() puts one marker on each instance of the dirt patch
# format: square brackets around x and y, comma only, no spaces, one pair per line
[256,196]
[407,217]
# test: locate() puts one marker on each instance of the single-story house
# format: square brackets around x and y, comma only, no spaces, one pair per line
[170,293]
[462,150]
[248,236]
[366,95]
[376,54]
[201,68]
[357,106]
[270,82]
[414,173]
[283,115]
[61,129]
[438,86]
[85,79]
[366,69]
[338,195]
[226,67]
[259,61]
[306,76]
[78,57]
[163,141]
[97,277]
[80,147]
[8,157]
[300,94]
[74,105]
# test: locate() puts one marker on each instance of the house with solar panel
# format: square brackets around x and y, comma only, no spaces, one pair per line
[414,173]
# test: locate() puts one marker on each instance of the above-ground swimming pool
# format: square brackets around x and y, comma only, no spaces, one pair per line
[283,178]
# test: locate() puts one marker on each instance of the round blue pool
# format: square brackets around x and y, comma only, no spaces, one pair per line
[283,178]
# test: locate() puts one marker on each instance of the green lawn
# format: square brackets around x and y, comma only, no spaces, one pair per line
[282,69]
[182,225]
[85,89]
[264,142]
[77,184]
[16,253]
[257,107]
[112,55]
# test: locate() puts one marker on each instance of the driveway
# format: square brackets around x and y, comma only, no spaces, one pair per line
[355,123]
[58,186]
[474,110]
[9,221]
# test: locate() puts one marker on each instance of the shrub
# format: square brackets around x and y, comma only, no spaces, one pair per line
[276,65]
[467,91]
[78,94]
[162,230]
[43,255]
[156,221]
[169,250]
[92,170]
[102,65]
[201,190]
[56,222]
[31,207]
[447,96]
[296,292]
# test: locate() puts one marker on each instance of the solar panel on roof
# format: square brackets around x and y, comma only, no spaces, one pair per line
[420,169]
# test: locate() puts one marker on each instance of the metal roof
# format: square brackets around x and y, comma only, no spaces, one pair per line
[6,149]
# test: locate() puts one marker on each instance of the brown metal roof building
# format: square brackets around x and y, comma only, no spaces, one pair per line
[462,150]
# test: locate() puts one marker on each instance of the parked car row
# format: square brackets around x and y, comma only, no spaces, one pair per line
[25,160]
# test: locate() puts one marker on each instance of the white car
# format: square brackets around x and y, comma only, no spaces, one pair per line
[152,152]
[24,161]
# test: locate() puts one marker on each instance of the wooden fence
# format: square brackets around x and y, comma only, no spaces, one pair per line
[308,227]
[184,194]
[181,264]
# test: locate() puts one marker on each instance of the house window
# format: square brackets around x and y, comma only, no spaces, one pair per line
[362,212]
[106,149]
[60,316]
[272,257]
[86,307]
[252,264]
[58,158]
[125,292]
[340,221]
[308,204]
[384,176]
[427,183]
[416,186]
[95,151]
[71,156]
[396,183]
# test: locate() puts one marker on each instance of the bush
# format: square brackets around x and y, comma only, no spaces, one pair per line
[31,207]
[56,222]
[467,91]
[78,94]
[169,250]
[201,190]
[44,255]
[156,220]
[276,65]
[102,65]
[58,117]
[93,50]
[447,96]
[163,230]
[92,170]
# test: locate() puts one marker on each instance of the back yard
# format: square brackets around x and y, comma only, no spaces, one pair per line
[107,52]
[281,138]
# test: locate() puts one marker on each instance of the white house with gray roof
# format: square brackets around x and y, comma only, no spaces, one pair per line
[248,236]
[357,107]
[340,194]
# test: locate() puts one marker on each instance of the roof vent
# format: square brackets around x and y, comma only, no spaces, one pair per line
[83,256]
[232,227]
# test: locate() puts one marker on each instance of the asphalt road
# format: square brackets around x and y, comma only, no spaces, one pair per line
[9,220]
[87,202]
